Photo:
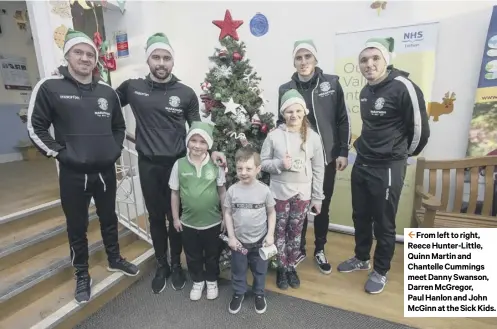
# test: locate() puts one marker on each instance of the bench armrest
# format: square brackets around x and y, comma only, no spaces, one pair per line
[428,201]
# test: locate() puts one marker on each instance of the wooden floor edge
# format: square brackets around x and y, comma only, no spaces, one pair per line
[72,307]
[28,211]
[37,238]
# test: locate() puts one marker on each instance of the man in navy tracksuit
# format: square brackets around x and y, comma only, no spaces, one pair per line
[161,105]
[329,117]
[89,132]
[395,126]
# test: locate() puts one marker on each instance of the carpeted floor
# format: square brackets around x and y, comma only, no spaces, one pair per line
[138,307]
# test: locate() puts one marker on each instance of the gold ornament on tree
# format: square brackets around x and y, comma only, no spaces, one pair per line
[379,6]
[59,35]
[61,8]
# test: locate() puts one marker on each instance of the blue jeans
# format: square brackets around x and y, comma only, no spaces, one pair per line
[239,266]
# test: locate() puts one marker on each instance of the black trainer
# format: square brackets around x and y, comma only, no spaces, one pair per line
[323,264]
[83,288]
[236,303]
[159,281]
[178,278]
[282,279]
[293,279]
[123,266]
[260,304]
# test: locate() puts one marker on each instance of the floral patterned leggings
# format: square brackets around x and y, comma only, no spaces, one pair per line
[290,215]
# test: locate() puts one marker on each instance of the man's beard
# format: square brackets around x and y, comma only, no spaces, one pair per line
[81,73]
[160,77]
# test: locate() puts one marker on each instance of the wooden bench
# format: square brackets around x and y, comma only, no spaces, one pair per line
[440,203]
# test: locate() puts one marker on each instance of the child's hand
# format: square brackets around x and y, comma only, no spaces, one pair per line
[287,161]
[234,244]
[177,225]
[316,208]
[269,240]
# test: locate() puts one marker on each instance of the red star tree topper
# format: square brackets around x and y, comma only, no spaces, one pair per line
[228,26]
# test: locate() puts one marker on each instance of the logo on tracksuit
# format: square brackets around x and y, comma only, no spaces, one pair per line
[325,88]
[378,105]
[174,101]
[103,104]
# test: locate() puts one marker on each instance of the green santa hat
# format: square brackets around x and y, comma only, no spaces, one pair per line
[384,45]
[74,37]
[305,44]
[158,41]
[291,97]
[203,129]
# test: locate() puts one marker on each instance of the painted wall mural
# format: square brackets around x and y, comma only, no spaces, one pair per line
[436,109]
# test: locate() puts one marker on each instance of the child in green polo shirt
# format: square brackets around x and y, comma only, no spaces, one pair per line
[197,184]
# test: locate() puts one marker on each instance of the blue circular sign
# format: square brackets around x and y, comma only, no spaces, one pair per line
[259,25]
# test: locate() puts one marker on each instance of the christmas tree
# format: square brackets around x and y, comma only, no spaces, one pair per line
[233,100]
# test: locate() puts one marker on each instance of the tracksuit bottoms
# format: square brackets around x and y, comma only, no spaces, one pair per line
[375,199]
[76,191]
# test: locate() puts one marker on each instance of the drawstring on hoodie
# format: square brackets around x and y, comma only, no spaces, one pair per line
[169,78]
[101,179]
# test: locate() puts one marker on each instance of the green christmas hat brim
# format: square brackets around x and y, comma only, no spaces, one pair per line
[291,101]
[307,46]
[384,51]
[77,40]
[201,132]
[159,45]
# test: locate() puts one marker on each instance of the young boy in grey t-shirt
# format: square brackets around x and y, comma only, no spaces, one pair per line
[250,220]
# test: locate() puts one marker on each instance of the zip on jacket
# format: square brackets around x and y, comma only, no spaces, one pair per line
[327,105]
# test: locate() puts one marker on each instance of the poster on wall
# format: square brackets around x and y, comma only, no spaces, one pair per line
[483,127]
[415,48]
[122,44]
[14,71]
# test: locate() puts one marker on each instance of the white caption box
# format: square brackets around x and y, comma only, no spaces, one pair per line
[450,272]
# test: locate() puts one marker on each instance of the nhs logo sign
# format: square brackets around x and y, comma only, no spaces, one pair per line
[412,39]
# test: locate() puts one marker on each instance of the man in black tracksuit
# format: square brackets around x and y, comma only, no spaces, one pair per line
[89,132]
[161,105]
[329,117]
[395,126]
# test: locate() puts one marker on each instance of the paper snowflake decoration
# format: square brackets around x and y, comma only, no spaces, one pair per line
[223,72]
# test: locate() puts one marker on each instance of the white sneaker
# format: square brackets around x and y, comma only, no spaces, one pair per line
[212,291]
[196,292]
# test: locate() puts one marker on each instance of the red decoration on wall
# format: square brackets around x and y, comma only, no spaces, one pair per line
[109,61]
[228,26]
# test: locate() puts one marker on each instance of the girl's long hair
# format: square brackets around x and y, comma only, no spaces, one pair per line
[303,132]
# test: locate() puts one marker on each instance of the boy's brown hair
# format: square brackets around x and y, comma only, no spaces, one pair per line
[244,154]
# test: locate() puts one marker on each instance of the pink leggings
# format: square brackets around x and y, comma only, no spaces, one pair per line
[290,216]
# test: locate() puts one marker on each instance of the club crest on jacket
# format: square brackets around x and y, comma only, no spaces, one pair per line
[174,101]
[103,104]
[325,86]
[378,105]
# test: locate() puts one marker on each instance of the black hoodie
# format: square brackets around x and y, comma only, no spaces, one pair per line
[394,121]
[160,110]
[328,113]
[88,122]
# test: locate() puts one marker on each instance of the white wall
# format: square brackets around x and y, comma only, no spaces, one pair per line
[14,42]
[463,28]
